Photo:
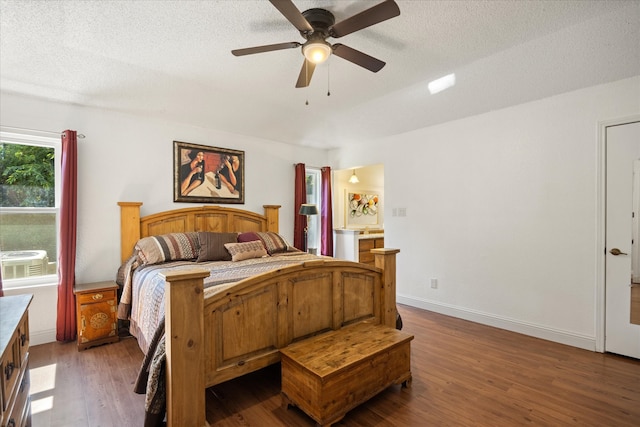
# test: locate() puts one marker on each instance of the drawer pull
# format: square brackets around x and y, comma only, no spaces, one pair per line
[97,296]
[11,423]
[8,370]
[23,339]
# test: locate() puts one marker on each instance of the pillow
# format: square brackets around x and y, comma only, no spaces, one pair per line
[273,242]
[212,246]
[246,250]
[167,247]
[249,236]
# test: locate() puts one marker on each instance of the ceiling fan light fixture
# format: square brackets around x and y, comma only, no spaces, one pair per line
[317,51]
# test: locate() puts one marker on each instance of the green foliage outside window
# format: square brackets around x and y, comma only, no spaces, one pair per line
[27,180]
[27,176]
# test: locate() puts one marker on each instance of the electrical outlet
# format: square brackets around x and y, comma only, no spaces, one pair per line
[434,283]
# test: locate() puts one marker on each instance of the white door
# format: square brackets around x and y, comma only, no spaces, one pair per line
[622,151]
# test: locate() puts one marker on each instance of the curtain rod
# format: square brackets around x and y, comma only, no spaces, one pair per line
[80,135]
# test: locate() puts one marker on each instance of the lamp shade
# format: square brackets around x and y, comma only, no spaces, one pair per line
[317,51]
[354,179]
[308,209]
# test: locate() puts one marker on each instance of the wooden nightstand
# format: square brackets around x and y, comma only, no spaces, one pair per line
[96,311]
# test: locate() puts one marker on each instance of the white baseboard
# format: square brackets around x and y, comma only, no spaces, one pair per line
[538,331]
[42,337]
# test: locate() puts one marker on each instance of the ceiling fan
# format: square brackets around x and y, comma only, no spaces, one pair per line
[316,26]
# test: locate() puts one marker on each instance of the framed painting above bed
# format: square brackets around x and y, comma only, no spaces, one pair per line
[204,174]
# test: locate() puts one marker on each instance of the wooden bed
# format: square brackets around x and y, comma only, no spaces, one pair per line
[242,328]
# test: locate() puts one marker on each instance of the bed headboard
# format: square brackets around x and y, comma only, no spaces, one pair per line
[201,218]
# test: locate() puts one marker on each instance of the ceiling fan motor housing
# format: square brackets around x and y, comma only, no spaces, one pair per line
[320,19]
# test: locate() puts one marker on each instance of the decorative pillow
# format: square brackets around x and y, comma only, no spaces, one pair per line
[212,246]
[249,236]
[246,250]
[167,247]
[273,242]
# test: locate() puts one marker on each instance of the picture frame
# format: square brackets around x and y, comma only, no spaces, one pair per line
[361,208]
[205,174]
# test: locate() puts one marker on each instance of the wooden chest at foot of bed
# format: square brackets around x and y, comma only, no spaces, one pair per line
[328,375]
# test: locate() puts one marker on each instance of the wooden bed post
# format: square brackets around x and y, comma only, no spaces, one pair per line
[184,341]
[129,227]
[272,212]
[386,260]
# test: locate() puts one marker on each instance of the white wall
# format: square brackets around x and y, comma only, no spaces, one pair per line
[501,209]
[42,312]
[130,158]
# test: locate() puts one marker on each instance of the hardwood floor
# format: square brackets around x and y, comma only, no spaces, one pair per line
[90,388]
[464,374]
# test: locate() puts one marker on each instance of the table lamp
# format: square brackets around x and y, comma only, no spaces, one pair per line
[307,209]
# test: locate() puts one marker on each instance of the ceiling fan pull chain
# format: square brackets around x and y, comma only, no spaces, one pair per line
[306,66]
[328,78]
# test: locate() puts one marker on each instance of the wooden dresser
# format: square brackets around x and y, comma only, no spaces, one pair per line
[14,364]
[96,312]
[364,248]
[356,245]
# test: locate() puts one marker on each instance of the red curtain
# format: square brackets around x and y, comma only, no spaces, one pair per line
[300,197]
[66,320]
[326,212]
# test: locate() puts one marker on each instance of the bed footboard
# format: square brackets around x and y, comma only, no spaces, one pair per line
[242,328]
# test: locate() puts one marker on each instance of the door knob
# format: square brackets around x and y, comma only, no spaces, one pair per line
[616,252]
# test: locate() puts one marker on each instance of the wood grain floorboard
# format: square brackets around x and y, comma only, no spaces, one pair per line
[464,374]
[91,388]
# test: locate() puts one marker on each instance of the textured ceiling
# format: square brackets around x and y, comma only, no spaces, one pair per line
[172,60]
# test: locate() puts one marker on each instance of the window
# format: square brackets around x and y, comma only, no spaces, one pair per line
[29,194]
[314,194]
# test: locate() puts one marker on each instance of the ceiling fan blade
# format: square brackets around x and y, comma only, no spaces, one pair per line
[291,12]
[358,58]
[376,14]
[305,73]
[265,48]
